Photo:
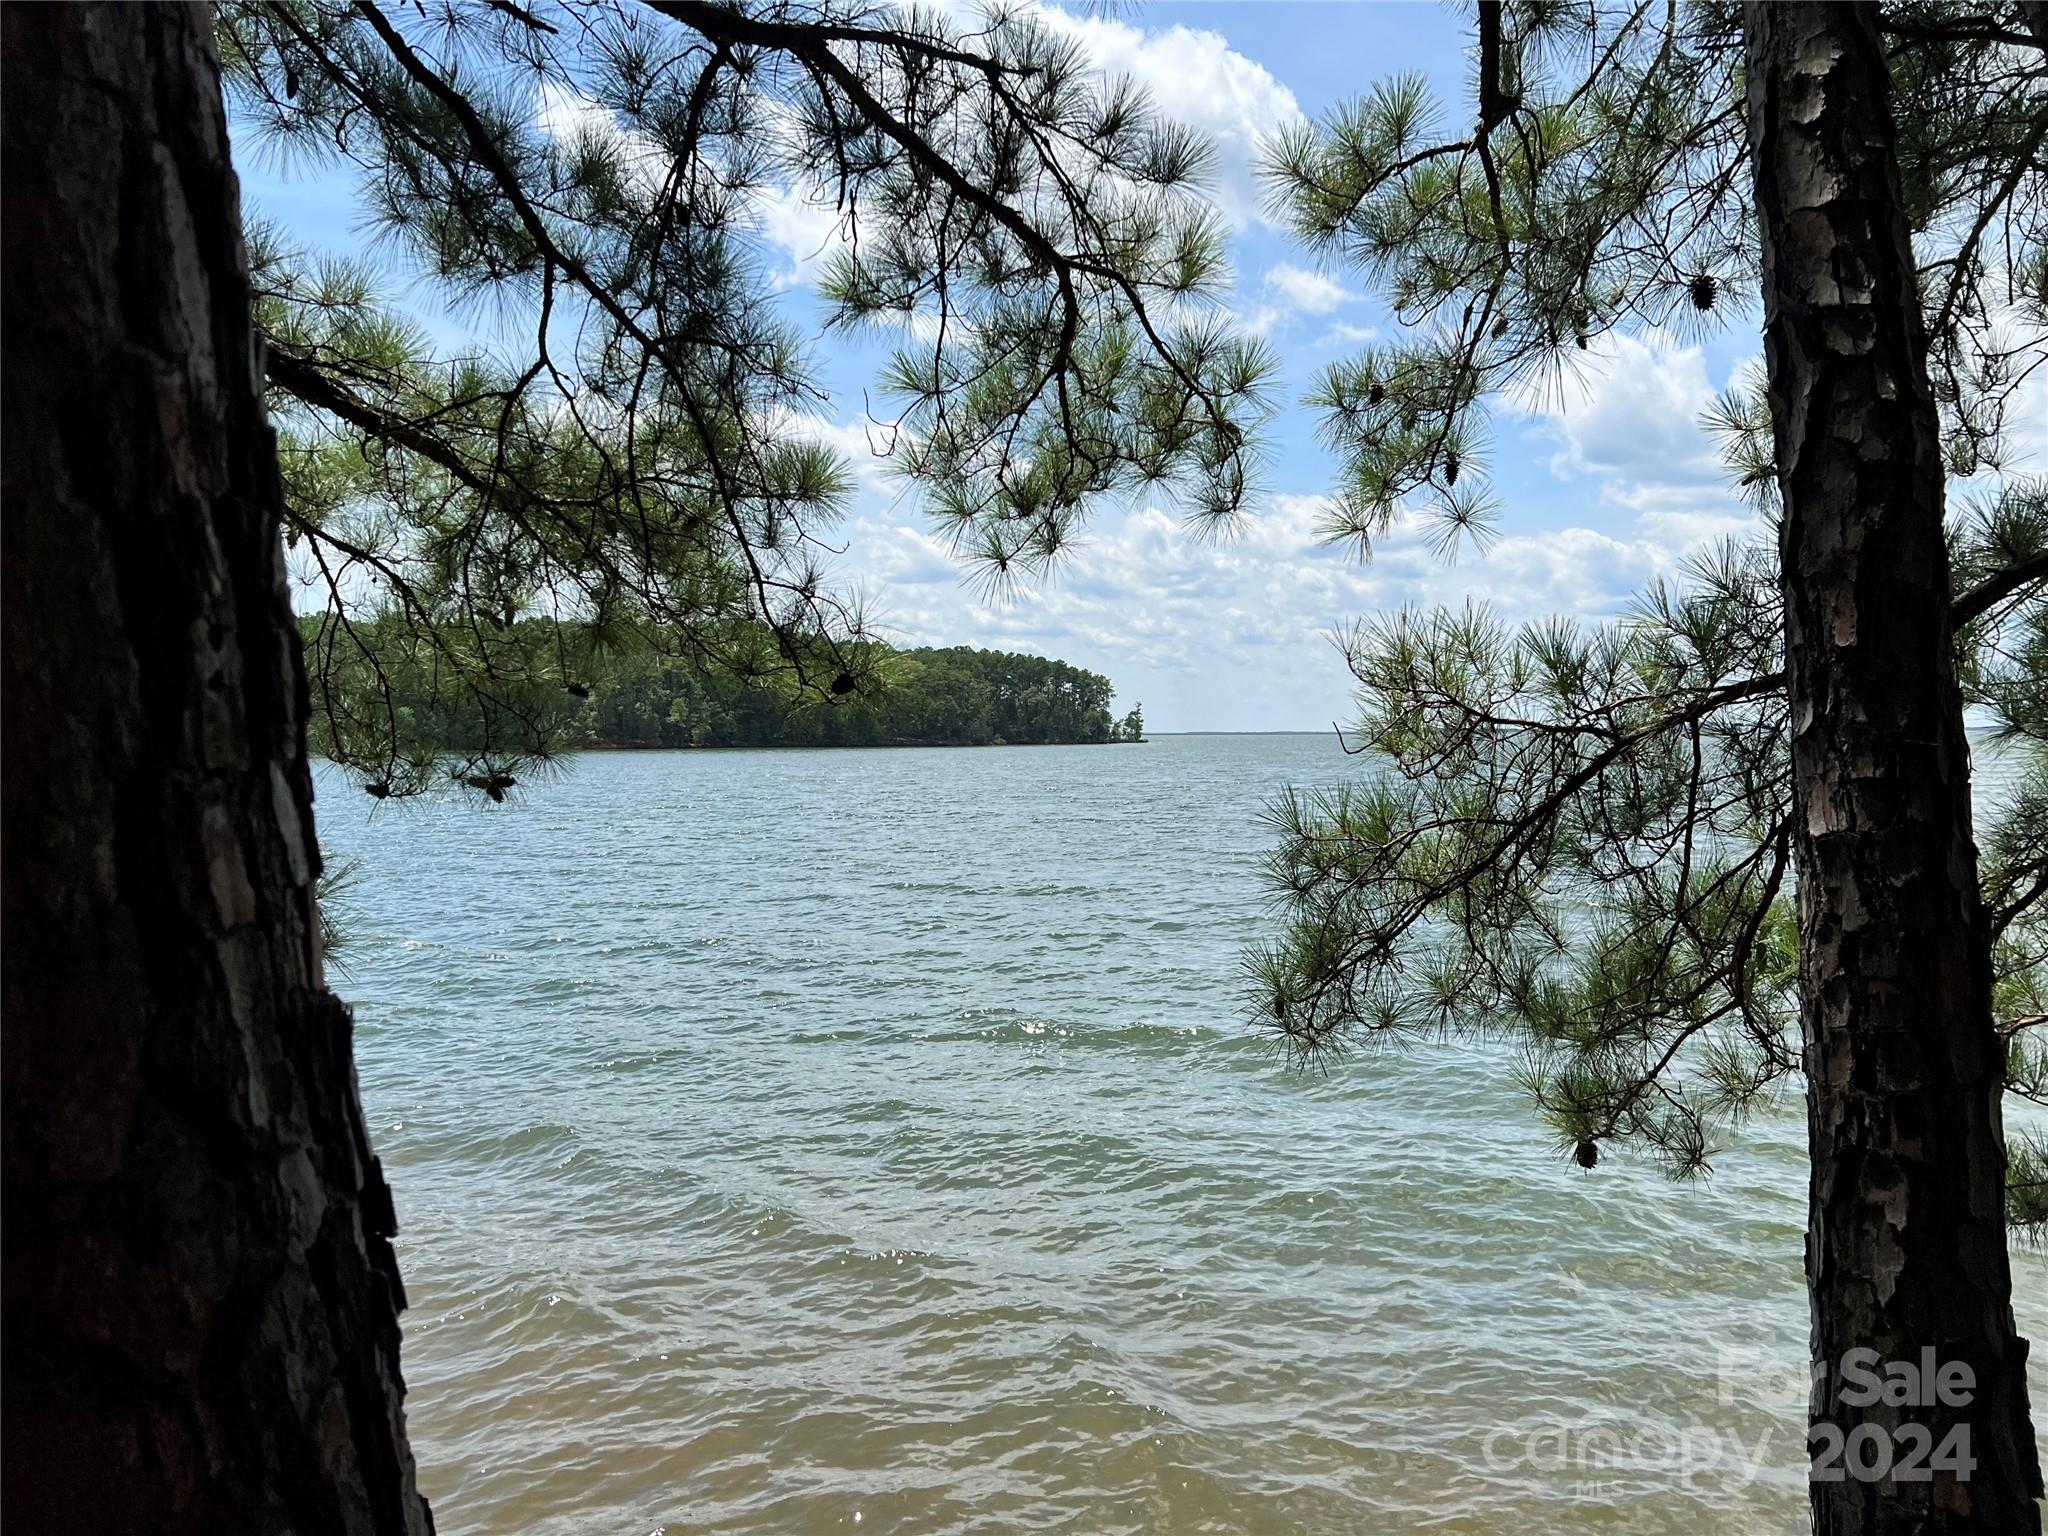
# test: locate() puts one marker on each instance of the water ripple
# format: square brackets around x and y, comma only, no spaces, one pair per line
[869,1142]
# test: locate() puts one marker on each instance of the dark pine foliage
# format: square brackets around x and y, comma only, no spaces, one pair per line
[630,445]
[1579,838]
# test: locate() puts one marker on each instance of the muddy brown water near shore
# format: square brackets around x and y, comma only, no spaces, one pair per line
[870,1140]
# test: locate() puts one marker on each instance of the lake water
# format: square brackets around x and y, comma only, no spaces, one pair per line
[833,1141]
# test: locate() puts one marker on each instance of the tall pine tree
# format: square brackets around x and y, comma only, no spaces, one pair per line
[1589,840]
[200,1298]
[201,1301]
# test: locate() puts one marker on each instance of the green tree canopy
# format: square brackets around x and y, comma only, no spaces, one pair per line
[644,697]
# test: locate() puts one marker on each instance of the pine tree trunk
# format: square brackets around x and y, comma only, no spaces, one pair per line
[200,1300]
[1906,1243]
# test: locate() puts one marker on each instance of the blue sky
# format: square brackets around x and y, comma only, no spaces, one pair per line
[1604,489]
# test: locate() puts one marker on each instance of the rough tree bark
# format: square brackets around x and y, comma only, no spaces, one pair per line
[201,1304]
[1906,1242]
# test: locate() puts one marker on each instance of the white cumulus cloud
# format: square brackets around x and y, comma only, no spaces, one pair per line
[1310,292]
[1235,635]
[1196,77]
[1631,423]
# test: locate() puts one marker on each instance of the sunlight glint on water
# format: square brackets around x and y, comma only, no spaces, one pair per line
[791,1142]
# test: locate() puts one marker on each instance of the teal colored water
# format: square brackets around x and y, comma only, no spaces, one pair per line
[792,1142]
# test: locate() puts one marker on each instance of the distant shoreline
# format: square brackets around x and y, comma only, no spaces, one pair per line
[868,746]
[856,746]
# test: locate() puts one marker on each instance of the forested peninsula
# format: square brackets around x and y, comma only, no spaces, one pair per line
[637,697]
[953,697]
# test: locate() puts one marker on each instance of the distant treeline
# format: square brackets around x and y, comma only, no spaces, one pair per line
[952,697]
[553,687]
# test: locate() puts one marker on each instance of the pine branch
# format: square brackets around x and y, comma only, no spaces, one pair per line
[489,155]
[308,383]
[811,44]
[1993,590]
